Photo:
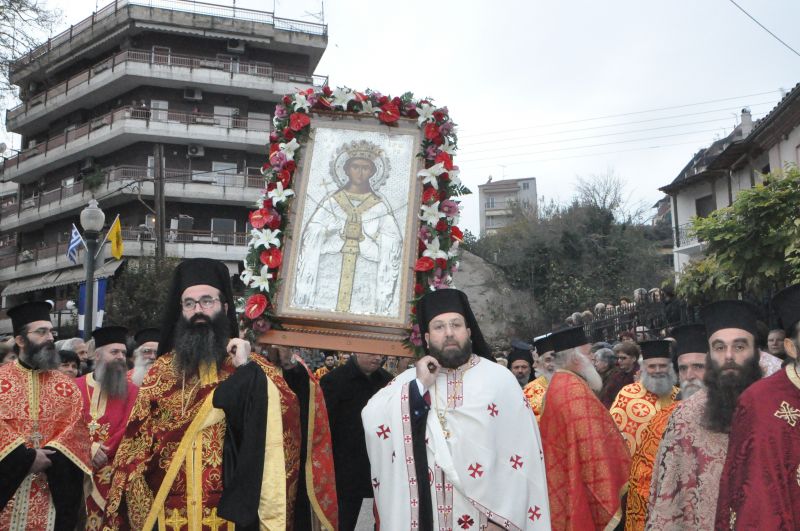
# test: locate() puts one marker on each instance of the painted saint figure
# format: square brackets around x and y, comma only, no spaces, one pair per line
[351,246]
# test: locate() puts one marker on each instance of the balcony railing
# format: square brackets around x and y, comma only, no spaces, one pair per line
[135,113]
[251,178]
[685,236]
[265,70]
[185,6]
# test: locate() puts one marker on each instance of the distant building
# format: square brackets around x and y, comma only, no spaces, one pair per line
[715,175]
[499,198]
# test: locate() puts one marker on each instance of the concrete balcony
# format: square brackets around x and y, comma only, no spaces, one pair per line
[116,75]
[127,125]
[123,182]
[137,242]
[684,238]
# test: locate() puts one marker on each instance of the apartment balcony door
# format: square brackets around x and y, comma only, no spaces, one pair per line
[223,116]
[159,110]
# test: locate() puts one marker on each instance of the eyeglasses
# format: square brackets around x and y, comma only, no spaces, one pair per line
[204,302]
[41,332]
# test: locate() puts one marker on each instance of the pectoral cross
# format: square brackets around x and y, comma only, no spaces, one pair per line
[36,436]
[93,426]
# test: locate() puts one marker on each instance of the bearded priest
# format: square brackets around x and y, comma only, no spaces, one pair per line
[476,462]
[108,398]
[213,439]
[587,460]
[535,390]
[44,443]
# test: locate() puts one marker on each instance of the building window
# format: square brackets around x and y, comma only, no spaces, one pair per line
[490,202]
[705,206]
[526,186]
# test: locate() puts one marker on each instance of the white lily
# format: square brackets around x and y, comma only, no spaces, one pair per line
[288,148]
[279,194]
[246,276]
[261,281]
[431,214]
[454,177]
[341,97]
[453,252]
[433,249]
[448,148]
[264,238]
[300,102]
[367,108]
[429,175]
[425,113]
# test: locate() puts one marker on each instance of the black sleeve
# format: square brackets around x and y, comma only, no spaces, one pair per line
[243,398]
[328,386]
[13,469]
[65,480]
[419,418]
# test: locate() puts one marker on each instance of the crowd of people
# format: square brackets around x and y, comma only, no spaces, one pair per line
[189,426]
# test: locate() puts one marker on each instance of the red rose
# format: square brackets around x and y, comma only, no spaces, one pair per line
[431,131]
[298,121]
[273,137]
[397,101]
[383,100]
[272,257]
[258,218]
[327,90]
[273,147]
[287,100]
[445,177]
[430,195]
[267,203]
[444,158]
[413,310]
[290,166]
[419,289]
[424,264]
[441,225]
[288,134]
[271,186]
[441,263]
[442,195]
[439,115]
[456,234]
[272,219]
[265,168]
[390,113]
[285,178]
[255,306]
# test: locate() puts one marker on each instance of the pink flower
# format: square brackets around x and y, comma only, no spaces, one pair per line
[446,128]
[450,208]
[261,326]
[312,99]
[281,112]
[424,233]
[277,159]
[416,337]
[431,151]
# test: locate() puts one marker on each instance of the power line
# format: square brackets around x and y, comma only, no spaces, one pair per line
[751,17]
[632,113]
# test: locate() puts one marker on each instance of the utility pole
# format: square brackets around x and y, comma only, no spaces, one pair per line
[160,203]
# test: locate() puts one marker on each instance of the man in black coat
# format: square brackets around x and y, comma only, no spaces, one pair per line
[347,390]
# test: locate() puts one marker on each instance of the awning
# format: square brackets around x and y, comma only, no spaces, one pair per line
[58,278]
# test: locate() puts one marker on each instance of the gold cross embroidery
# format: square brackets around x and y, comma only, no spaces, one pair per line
[213,521]
[175,520]
[93,425]
[788,413]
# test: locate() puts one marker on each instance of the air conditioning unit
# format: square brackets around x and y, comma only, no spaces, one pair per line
[235,46]
[193,94]
[87,164]
[196,151]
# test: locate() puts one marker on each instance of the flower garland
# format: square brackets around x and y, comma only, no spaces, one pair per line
[438,237]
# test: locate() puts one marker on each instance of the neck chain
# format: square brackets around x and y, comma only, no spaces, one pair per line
[184,400]
[440,414]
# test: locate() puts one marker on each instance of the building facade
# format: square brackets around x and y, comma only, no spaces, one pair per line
[194,84]
[499,199]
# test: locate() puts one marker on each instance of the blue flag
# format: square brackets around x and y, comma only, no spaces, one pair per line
[75,241]
[99,305]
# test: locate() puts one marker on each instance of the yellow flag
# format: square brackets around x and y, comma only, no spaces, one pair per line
[115,237]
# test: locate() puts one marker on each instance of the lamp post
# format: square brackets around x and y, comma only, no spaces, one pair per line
[92,220]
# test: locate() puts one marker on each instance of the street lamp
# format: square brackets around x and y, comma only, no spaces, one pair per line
[92,220]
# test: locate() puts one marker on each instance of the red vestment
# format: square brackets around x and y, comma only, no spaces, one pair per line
[760,484]
[106,419]
[585,456]
[633,408]
[39,409]
[534,392]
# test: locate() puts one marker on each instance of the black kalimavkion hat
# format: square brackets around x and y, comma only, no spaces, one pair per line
[449,300]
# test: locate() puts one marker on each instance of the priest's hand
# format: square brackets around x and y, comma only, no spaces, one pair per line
[100,458]
[42,461]
[239,351]
[427,367]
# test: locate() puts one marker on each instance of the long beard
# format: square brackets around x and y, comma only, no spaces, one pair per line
[113,378]
[724,390]
[200,340]
[690,387]
[452,356]
[43,356]
[658,384]
[590,374]
[140,368]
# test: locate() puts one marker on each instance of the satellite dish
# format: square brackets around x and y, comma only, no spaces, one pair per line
[3,147]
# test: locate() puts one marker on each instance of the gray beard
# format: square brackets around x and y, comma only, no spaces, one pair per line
[658,385]
[113,378]
[590,374]
[43,357]
[690,387]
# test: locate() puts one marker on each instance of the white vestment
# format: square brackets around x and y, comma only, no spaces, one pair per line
[490,468]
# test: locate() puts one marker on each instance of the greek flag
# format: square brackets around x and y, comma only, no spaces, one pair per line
[75,241]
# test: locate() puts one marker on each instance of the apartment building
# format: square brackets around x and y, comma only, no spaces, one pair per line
[498,199]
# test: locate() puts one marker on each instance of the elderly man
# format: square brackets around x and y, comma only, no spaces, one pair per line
[520,361]
[144,355]
[689,356]
[637,403]
[108,399]
[44,444]
[759,488]
[475,462]
[194,454]
[685,487]
[535,390]
[586,457]
[78,346]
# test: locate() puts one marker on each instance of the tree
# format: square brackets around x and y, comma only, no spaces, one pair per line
[752,248]
[139,293]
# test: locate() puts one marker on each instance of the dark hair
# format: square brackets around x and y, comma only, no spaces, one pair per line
[69,356]
[348,161]
[628,348]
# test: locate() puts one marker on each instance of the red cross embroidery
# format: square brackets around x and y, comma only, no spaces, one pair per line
[409,460]
[516,462]
[64,389]
[414,502]
[448,487]
[406,418]
[412,481]
[533,513]
[466,521]
[475,470]
[407,439]
[492,408]
[5,385]
[375,483]
[383,431]
[640,410]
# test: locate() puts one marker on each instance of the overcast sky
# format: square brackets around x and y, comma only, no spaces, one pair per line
[534,84]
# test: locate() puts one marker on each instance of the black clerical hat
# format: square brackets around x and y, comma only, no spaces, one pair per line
[27,313]
[657,348]
[194,272]
[520,351]
[543,344]
[568,338]
[110,334]
[730,314]
[787,304]
[690,338]
[145,335]
[450,300]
